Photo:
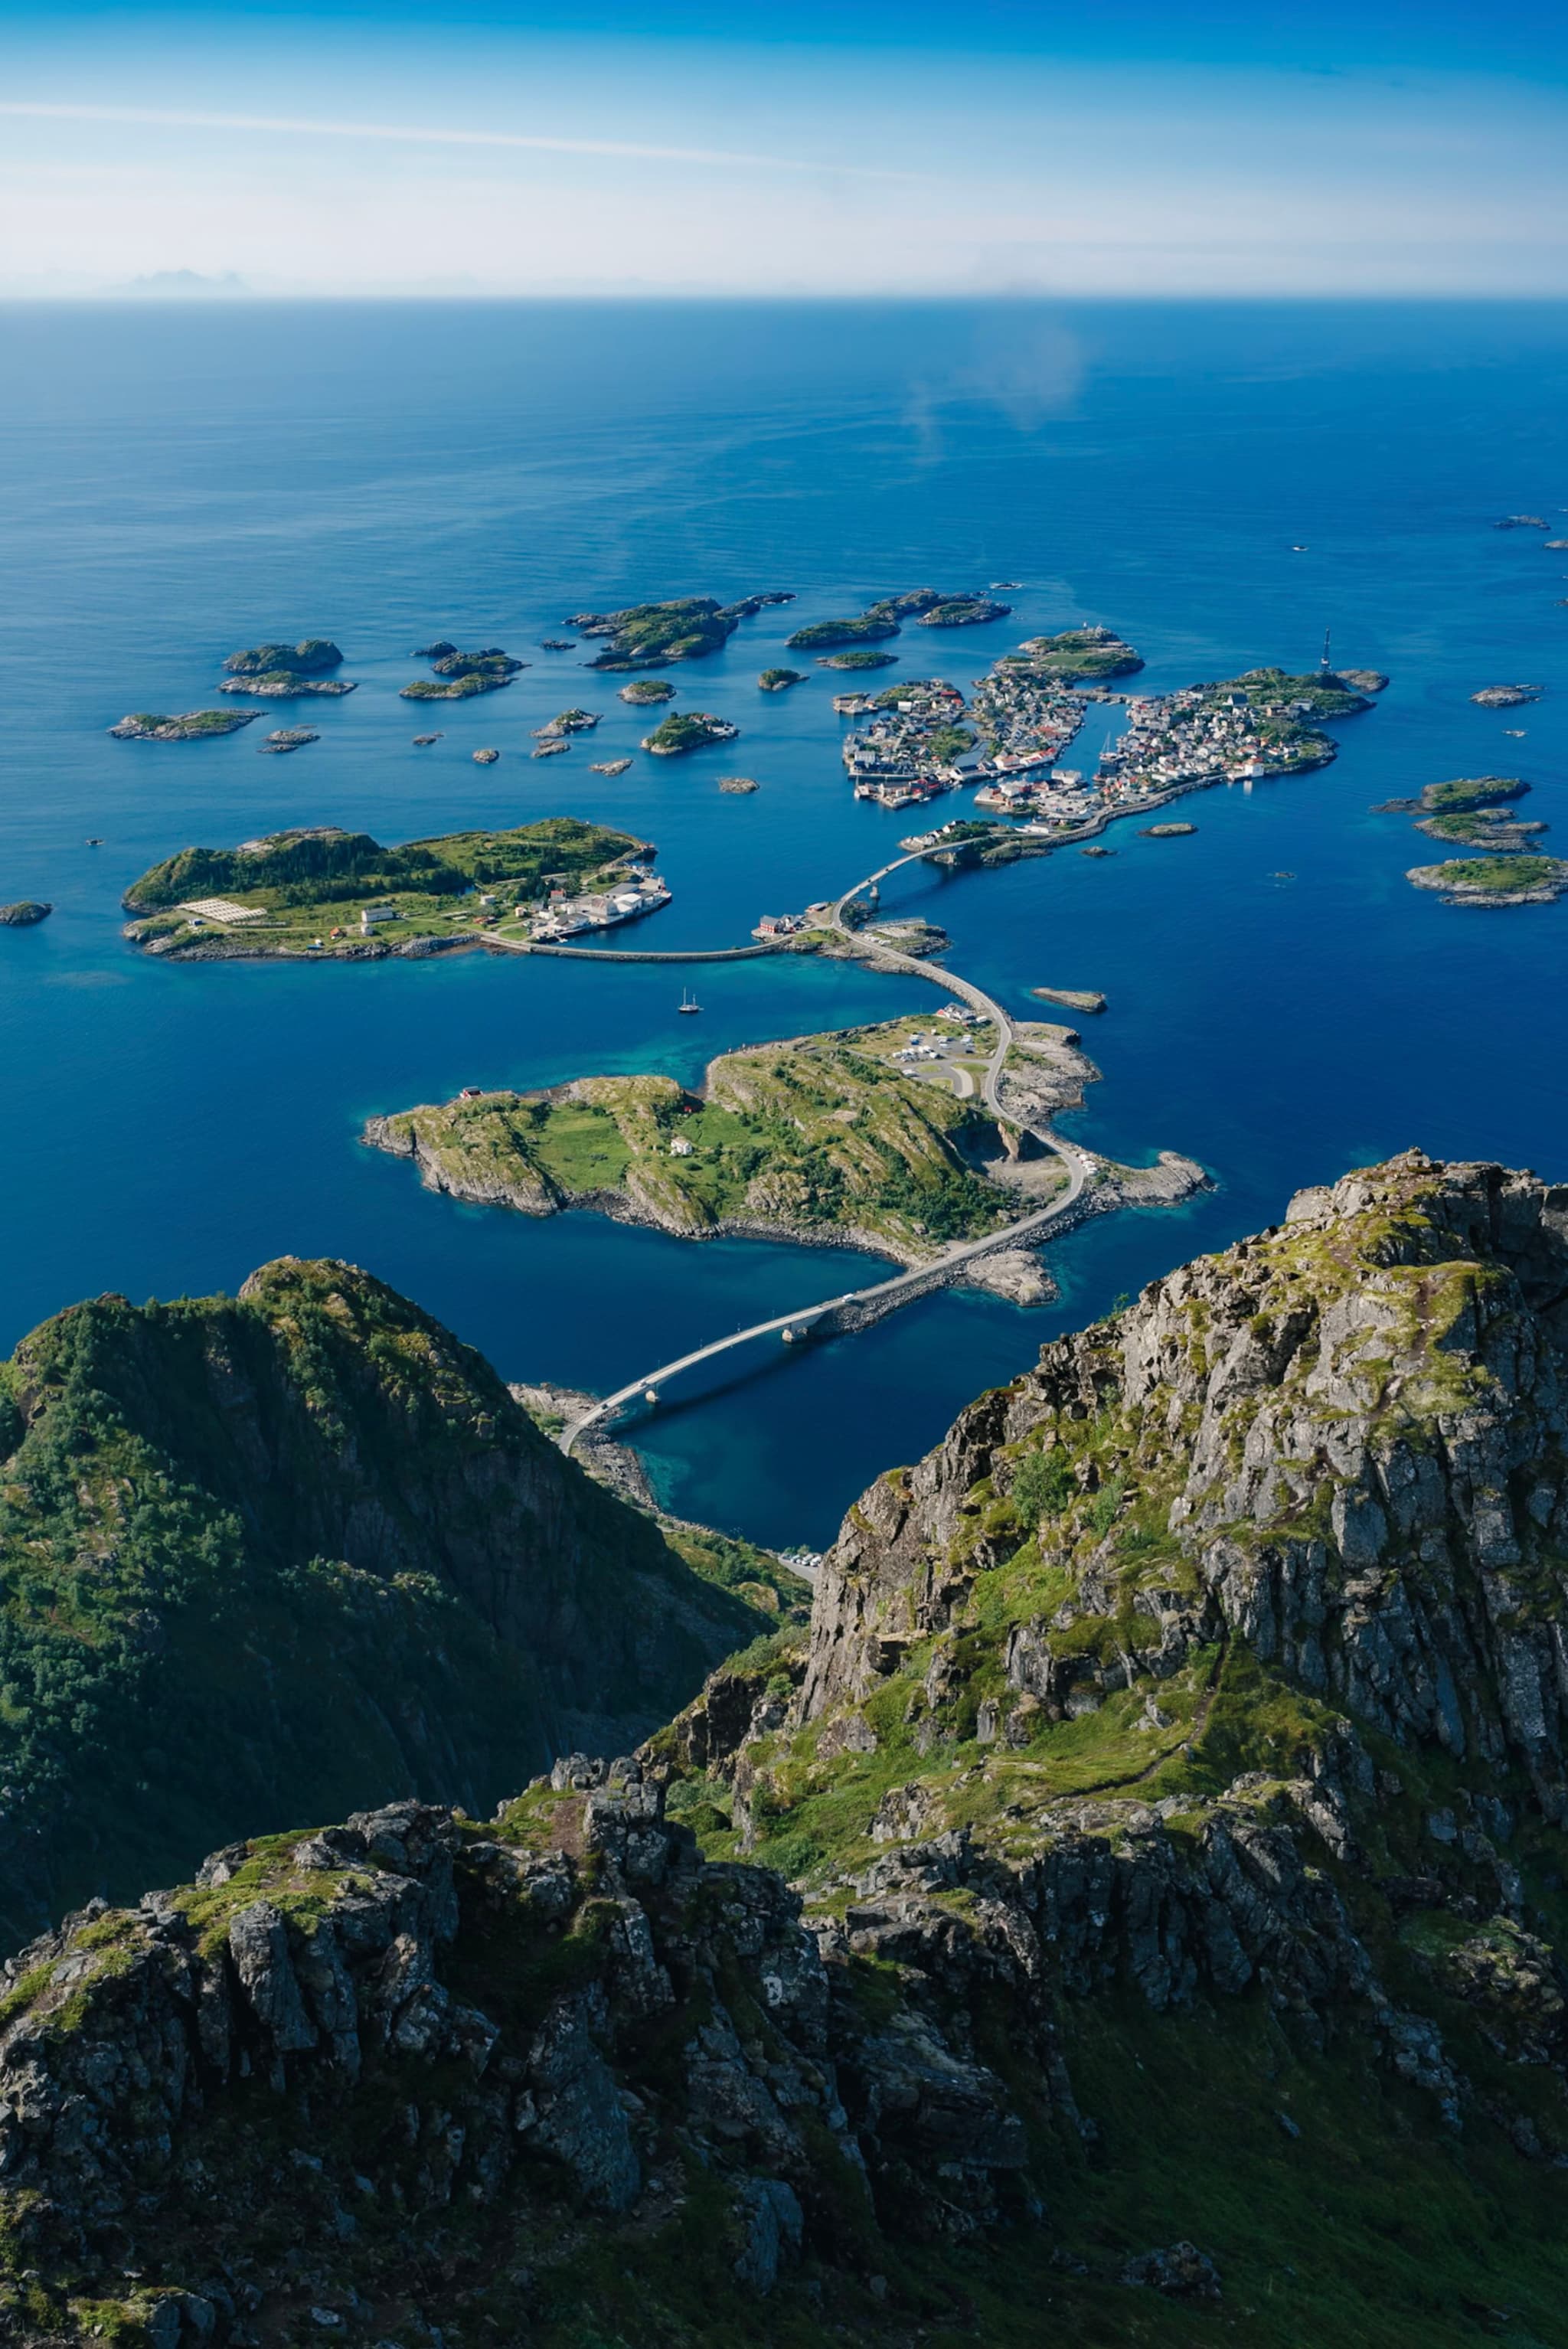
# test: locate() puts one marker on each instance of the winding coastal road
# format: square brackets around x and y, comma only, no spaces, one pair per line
[859,1307]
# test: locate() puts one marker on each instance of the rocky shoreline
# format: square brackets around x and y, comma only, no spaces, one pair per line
[1048,1077]
[1454,880]
[622,1206]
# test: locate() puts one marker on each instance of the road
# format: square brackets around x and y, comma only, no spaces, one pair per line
[863,1304]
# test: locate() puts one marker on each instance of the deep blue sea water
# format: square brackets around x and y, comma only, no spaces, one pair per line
[178,481]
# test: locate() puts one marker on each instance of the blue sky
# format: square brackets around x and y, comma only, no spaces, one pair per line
[982,147]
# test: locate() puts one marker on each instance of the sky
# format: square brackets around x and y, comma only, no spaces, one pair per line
[982,147]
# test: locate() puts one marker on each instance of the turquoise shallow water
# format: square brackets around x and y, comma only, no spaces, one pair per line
[176,483]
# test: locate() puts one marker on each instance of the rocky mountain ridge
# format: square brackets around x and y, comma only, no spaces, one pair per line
[1134,1911]
[273,1551]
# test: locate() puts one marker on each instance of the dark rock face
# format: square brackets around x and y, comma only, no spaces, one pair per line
[318,1547]
[1196,1702]
[1322,1477]
[504,1991]
[23,913]
[1362,1419]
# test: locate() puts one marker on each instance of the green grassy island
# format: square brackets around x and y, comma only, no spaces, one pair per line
[1464,793]
[868,628]
[885,617]
[651,635]
[1470,811]
[459,675]
[1276,693]
[23,912]
[819,1134]
[644,692]
[776,680]
[327,891]
[191,726]
[1077,656]
[1489,828]
[862,660]
[1494,880]
[312,656]
[964,612]
[284,672]
[690,730]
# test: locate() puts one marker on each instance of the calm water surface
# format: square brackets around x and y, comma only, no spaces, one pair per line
[174,484]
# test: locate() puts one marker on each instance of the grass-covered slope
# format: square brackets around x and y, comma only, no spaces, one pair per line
[316,883]
[820,1132]
[1077,655]
[1499,880]
[652,635]
[1461,794]
[291,1552]
[1174,1779]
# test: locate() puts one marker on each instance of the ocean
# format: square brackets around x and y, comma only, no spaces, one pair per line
[176,482]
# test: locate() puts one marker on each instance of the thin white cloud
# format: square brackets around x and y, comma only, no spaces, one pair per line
[419,135]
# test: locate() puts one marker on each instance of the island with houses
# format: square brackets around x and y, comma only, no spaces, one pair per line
[325,894]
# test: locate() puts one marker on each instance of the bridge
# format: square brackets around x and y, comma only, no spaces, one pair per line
[638,954]
[840,1316]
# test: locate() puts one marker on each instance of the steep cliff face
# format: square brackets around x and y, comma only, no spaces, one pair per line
[341,2074]
[1144,1888]
[1342,1442]
[289,1552]
[1220,1660]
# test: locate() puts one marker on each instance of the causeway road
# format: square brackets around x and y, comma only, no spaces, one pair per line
[859,1307]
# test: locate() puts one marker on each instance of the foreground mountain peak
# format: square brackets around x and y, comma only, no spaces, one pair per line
[1143,1887]
[293,1552]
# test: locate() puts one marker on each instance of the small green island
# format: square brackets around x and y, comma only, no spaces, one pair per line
[885,616]
[864,659]
[644,692]
[1459,795]
[1076,657]
[459,675]
[23,912]
[1471,812]
[652,635]
[867,628]
[1494,880]
[794,1139]
[286,672]
[690,730]
[190,726]
[1489,828]
[778,681]
[312,656]
[325,892]
[964,612]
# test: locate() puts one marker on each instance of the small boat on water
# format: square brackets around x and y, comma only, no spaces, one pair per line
[688,1001]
